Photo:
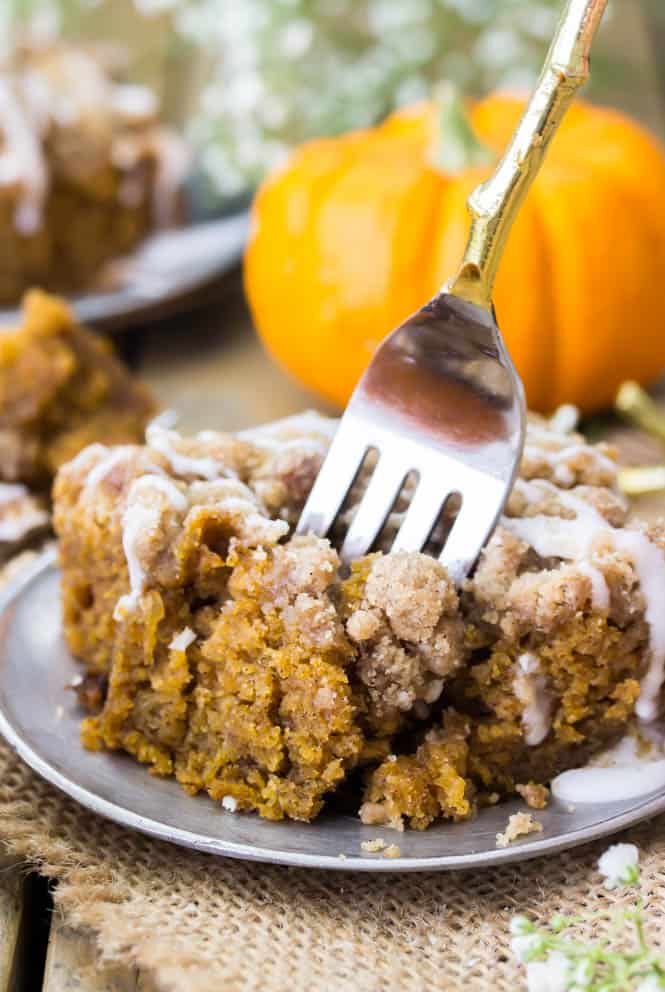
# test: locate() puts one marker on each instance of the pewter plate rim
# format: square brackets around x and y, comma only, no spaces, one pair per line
[327,832]
[162,274]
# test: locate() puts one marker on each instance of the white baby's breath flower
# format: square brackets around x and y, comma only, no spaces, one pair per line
[148,7]
[329,66]
[619,865]
[526,946]
[296,38]
[652,983]
[520,925]
[551,975]
[583,974]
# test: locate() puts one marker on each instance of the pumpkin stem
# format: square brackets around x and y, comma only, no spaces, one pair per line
[458,147]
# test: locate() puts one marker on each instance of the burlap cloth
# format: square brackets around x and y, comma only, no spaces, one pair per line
[196,923]
[200,923]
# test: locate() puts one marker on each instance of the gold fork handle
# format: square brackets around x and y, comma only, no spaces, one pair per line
[494,204]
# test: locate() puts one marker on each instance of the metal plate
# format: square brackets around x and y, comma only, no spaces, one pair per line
[40,719]
[161,275]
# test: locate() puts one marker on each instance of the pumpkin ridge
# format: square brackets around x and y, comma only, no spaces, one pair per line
[647,350]
[314,361]
[591,343]
[427,277]
[405,208]
[549,334]
[301,363]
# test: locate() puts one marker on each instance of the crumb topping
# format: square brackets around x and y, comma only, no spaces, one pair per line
[536,796]
[373,846]
[406,623]
[519,825]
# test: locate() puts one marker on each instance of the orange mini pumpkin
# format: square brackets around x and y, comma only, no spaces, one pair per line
[357,232]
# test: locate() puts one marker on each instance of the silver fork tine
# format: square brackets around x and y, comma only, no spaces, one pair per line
[384,486]
[474,523]
[421,516]
[333,481]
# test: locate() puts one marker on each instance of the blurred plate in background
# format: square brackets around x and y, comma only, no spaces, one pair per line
[162,277]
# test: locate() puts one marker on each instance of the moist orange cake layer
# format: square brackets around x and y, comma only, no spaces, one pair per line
[241,659]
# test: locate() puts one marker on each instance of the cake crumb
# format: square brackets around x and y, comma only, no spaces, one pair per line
[392,851]
[374,814]
[519,825]
[374,846]
[90,691]
[536,796]
[59,712]
[341,857]
[230,804]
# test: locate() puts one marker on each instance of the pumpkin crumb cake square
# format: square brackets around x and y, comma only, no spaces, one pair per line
[241,659]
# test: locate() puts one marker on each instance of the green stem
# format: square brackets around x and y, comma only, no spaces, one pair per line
[458,147]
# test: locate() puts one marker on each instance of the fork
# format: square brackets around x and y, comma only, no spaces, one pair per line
[441,399]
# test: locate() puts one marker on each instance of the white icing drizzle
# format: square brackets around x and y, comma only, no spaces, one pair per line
[138,519]
[114,457]
[559,458]
[87,455]
[235,498]
[544,434]
[293,432]
[530,687]
[21,159]
[633,767]
[10,491]
[600,591]
[565,418]
[182,640]
[556,537]
[250,522]
[22,523]
[164,485]
[143,516]
[16,522]
[162,438]
[649,564]
[605,785]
